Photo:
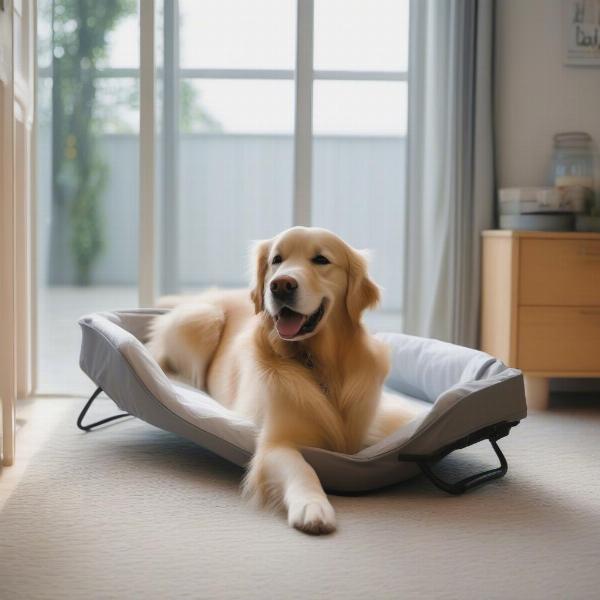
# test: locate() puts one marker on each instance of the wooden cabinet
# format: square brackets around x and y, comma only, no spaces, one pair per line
[541,305]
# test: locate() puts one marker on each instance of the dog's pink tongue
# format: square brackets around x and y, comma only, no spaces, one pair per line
[289,324]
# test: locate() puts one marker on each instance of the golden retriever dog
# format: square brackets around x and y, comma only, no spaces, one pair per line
[293,356]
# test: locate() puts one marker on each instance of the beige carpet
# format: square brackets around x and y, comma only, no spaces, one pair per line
[133,512]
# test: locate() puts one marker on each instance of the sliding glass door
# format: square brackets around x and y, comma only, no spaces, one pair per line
[359,135]
[235,142]
[285,119]
[87,175]
[255,115]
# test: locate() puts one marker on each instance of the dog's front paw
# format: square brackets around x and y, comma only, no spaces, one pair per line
[315,517]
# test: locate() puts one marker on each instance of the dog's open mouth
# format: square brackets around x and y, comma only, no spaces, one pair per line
[291,324]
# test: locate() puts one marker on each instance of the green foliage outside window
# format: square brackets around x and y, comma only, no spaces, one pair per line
[79,38]
[84,107]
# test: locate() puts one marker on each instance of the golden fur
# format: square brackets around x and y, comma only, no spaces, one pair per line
[320,389]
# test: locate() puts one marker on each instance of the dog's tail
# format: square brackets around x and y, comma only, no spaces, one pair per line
[184,340]
[172,300]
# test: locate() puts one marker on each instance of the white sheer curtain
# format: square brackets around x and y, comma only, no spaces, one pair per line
[450,165]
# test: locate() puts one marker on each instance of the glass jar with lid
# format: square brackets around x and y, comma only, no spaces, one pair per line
[573,168]
[573,160]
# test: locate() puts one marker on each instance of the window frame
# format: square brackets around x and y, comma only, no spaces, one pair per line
[303,76]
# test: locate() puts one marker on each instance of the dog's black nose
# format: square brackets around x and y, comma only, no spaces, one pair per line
[284,287]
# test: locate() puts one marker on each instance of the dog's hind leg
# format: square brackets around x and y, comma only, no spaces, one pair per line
[184,340]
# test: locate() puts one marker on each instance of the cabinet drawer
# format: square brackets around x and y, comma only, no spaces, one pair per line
[560,339]
[559,272]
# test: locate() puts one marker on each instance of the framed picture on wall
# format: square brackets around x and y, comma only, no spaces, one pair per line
[582,32]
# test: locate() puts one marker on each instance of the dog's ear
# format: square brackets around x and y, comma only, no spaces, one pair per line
[260,255]
[362,292]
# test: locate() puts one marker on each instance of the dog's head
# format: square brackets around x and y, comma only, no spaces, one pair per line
[304,276]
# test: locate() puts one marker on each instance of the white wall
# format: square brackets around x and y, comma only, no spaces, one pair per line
[536,95]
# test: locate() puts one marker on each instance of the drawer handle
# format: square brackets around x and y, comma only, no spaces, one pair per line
[585,251]
[594,312]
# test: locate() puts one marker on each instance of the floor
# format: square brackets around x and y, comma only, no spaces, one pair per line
[131,511]
[59,337]
[36,421]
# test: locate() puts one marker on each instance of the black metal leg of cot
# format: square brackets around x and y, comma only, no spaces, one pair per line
[491,433]
[460,487]
[97,423]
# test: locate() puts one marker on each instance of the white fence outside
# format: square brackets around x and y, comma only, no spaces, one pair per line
[237,188]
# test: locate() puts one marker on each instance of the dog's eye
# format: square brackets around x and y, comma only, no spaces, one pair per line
[276,259]
[319,259]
